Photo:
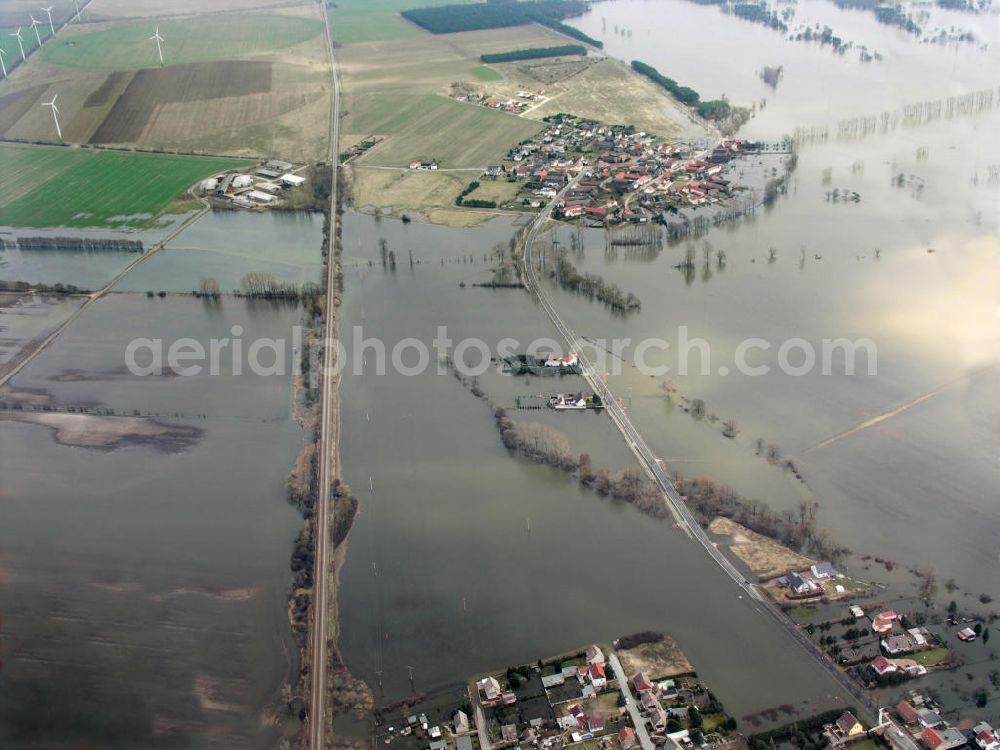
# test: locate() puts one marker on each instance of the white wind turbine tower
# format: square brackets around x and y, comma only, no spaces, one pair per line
[3,66]
[48,12]
[34,27]
[17,35]
[55,114]
[159,50]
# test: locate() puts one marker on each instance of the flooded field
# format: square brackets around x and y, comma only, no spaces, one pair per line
[144,553]
[28,318]
[464,558]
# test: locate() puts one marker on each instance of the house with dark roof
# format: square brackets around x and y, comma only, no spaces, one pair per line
[907,713]
[897,644]
[849,726]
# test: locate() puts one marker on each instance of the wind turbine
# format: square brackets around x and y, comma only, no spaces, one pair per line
[159,50]
[34,27]
[55,114]
[17,35]
[48,12]
[2,65]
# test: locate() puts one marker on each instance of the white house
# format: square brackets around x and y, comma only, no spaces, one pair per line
[986,736]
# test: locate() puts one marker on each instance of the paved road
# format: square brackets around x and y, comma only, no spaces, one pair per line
[633,708]
[321,640]
[483,729]
[651,463]
[896,736]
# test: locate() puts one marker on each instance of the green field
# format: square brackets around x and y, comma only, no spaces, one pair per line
[354,21]
[9,44]
[486,74]
[128,46]
[931,658]
[454,134]
[57,187]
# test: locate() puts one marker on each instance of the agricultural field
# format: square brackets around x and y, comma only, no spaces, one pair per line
[270,100]
[486,74]
[499,191]
[9,44]
[400,92]
[354,21]
[454,134]
[126,46]
[101,10]
[609,92]
[53,187]
[430,194]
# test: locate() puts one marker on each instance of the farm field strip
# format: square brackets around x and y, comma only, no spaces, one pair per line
[60,187]
[354,21]
[126,46]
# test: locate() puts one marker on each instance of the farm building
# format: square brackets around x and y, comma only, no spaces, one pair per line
[281,166]
[242,181]
[223,187]
[209,185]
[292,180]
[260,197]
[270,174]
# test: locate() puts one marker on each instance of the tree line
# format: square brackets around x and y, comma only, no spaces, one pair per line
[448,19]
[71,243]
[796,530]
[474,202]
[713,109]
[533,53]
[590,285]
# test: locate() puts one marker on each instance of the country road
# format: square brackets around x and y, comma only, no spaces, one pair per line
[321,639]
[633,708]
[681,513]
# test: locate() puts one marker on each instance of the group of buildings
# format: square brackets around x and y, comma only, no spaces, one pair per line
[623,175]
[519,104]
[261,187]
[919,717]
[819,580]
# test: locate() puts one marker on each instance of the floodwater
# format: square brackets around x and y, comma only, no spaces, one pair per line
[915,266]
[85,269]
[225,245]
[465,559]
[144,562]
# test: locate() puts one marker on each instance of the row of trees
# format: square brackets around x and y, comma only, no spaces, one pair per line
[794,529]
[590,285]
[462,200]
[24,286]
[447,19]
[714,109]
[71,243]
[534,53]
